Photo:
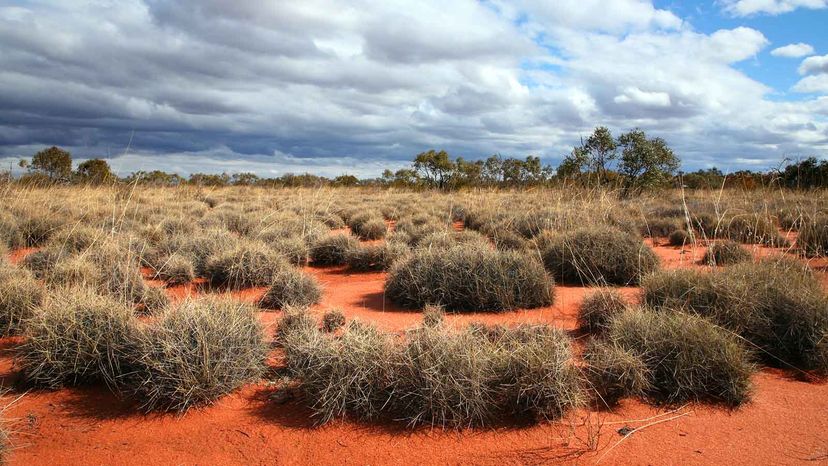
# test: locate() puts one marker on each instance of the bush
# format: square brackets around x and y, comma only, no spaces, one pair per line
[601,256]
[679,238]
[374,228]
[78,337]
[247,265]
[176,270]
[20,295]
[294,249]
[374,256]
[662,227]
[333,320]
[333,250]
[291,287]
[813,237]
[599,308]
[725,253]
[614,373]
[688,358]
[463,278]
[199,352]
[777,305]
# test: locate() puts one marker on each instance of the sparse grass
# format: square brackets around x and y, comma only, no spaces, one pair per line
[598,309]
[78,337]
[291,287]
[198,352]
[725,253]
[465,278]
[599,256]
[688,358]
[333,250]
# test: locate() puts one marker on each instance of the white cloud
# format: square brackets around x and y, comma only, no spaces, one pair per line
[813,84]
[793,50]
[814,65]
[771,7]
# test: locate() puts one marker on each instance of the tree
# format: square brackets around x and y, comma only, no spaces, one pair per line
[645,163]
[54,162]
[592,156]
[244,179]
[94,171]
[435,167]
[346,180]
[467,173]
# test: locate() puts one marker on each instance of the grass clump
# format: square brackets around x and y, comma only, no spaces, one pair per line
[20,296]
[368,226]
[198,352]
[600,256]
[614,373]
[725,253]
[333,250]
[679,238]
[247,265]
[79,336]
[813,237]
[333,320]
[464,278]
[291,287]
[688,358]
[433,315]
[176,270]
[753,229]
[435,375]
[374,256]
[598,309]
[776,304]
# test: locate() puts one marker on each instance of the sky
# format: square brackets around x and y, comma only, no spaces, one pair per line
[335,87]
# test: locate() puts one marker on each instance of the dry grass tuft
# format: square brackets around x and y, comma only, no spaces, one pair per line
[291,287]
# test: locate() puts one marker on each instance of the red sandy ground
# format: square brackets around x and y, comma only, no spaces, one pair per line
[784,424]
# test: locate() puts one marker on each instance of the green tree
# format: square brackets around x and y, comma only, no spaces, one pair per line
[435,167]
[346,180]
[645,162]
[244,179]
[593,156]
[94,171]
[54,162]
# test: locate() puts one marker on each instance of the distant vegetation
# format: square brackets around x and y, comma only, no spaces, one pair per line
[629,163]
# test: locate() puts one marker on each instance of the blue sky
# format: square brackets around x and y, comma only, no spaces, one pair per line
[276,87]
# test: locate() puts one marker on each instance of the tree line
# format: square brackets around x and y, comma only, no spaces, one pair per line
[630,163]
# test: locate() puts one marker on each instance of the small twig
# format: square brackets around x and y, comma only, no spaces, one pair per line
[638,429]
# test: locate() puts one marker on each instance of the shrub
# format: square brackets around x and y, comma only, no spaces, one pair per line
[176,270]
[374,256]
[600,256]
[332,250]
[20,295]
[463,278]
[614,373]
[79,336]
[291,287]
[333,320]
[813,237]
[599,308]
[679,238]
[249,264]
[294,249]
[777,305]
[688,358]
[725,253]
[662,227]
[199,352]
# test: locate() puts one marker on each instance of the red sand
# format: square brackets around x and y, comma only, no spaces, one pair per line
[785,423]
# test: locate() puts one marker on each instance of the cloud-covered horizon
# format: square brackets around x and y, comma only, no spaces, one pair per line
[354,87]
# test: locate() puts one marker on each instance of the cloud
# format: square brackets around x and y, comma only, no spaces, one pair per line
[814,65]
[771,7]
[812,84]
[793,50]
[290,86]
